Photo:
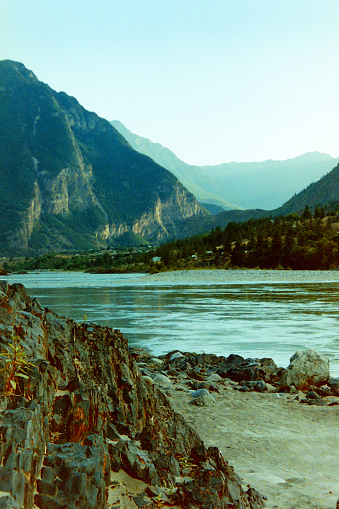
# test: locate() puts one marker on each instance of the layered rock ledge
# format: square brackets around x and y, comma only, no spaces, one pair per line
[84,413]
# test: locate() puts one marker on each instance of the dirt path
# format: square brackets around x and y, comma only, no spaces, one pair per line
[286,450]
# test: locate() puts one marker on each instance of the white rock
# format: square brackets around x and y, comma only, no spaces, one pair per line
[176,355]
[214,378]
[306,368]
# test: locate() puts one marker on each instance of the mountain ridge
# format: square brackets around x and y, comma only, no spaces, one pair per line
[324,192]
[68,178]
[250,185]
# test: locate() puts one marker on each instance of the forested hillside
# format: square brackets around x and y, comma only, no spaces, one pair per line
[306,241]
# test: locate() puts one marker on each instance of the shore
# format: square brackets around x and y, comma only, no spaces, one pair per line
[282,443]
[252,275]
[286,450]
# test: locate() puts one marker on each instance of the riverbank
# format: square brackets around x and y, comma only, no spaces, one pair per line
[286,450]
[283,443]
[215,276]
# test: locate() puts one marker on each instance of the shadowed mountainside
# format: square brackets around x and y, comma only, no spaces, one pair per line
[69,180]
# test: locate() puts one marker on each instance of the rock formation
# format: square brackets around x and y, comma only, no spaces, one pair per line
[82,411]
[69,180]
[306,368]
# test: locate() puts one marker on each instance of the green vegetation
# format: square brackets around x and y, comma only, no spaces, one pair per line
[105,260]
[309,241]
[15,364]
[306,242]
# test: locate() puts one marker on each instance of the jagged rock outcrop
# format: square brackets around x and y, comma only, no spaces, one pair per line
[69,180]
[86,411]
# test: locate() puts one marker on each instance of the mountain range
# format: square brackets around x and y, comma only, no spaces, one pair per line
[70,180]
[324,192]
[237,185]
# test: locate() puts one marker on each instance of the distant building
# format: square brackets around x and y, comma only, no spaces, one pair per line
[156,259]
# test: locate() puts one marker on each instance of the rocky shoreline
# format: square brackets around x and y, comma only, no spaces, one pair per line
[276,426]
[96,424]
[83,416]
[307,378]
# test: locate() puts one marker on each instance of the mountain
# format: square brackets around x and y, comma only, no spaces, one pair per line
[269,184]
[192,177]
[324,192]
[69,180]
[252,185]
[321,193]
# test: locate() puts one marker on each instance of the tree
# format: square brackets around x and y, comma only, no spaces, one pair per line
[307,214]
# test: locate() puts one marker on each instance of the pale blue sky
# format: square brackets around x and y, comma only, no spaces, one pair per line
[212,80]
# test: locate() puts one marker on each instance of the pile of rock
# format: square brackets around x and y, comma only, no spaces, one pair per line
[84,412]
[307,376]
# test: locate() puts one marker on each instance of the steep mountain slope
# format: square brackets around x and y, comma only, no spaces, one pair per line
[266,184]
[192,177]
[68,179]
[320,193]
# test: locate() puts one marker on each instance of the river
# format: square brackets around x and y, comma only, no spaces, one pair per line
[252,313]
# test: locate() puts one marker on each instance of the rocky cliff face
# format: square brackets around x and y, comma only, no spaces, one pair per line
[84,413]
[68,179]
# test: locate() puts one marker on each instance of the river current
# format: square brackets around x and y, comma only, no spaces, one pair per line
[251,313]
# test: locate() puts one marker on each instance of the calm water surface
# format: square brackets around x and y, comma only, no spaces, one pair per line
[251,313]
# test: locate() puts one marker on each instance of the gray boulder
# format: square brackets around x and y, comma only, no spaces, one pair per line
[163,380]
[202,397]
[306,368]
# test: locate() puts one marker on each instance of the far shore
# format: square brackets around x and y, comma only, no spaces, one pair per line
[236,275]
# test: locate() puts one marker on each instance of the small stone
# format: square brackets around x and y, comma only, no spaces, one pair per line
[312,395]
[202,397]
[176,355]
[214,378]
[324,390]
[162,380]
[142,501]
[156,361]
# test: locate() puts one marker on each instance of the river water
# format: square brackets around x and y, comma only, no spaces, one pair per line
[251,313]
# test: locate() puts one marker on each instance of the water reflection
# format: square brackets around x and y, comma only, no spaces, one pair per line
[253,319]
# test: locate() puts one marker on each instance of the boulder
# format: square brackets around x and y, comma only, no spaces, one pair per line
[237,369]
[306,368]
[163,380]
[202,397]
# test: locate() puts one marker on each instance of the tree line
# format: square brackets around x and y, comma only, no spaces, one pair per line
[306,241]
[309,241]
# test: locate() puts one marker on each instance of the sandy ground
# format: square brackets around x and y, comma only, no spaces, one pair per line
[287,450]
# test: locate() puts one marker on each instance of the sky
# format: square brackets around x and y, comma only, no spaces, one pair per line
[212,80]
